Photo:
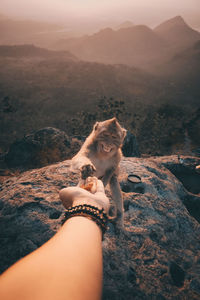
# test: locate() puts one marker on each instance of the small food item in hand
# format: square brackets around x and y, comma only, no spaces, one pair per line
[87,186]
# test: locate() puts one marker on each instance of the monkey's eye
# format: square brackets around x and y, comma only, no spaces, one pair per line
[114,136]
[106,134]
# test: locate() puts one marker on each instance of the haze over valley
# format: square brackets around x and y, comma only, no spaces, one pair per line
[67,76]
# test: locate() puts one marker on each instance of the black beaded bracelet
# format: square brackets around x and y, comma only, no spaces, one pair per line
[91,212]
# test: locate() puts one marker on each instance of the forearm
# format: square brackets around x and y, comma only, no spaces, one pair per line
[69,266]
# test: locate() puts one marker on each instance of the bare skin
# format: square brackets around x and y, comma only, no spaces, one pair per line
[100,156]
[68,266]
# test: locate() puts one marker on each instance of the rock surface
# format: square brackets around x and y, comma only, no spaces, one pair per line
[45,146]
[156,257]
[130,146]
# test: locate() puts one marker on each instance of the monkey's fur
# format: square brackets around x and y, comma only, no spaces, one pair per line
[100,156]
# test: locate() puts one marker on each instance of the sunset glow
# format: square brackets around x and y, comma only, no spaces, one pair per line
[139,11]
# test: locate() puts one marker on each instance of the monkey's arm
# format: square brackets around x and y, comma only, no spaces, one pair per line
[84,165]
[79,160]
[117,197]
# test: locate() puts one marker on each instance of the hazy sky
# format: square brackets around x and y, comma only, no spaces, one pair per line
[150,12]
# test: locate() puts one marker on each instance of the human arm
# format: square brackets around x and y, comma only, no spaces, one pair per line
[68,266]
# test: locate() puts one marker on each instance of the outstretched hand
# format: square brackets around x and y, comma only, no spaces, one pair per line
[73,196]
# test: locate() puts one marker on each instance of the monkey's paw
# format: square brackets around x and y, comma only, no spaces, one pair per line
[87,171]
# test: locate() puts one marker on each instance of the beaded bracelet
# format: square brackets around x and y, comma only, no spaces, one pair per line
[91,212]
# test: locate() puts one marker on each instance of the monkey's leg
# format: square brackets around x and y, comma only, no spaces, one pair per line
[107,176]
[117,197]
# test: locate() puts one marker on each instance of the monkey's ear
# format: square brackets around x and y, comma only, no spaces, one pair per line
[113,121]
[96,125]
[124,132]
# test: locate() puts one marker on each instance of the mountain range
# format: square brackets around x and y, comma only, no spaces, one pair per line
[31,51]
[133,45]
[41,87]
[137,45]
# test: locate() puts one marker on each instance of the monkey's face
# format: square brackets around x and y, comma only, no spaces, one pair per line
[109,136]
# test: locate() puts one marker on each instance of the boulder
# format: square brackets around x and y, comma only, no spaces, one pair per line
[46,146]
[157,256]
[130,146]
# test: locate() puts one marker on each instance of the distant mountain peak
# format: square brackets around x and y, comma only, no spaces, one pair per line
[104,31]
[177,19]
[140,29]
[125,24]
[107,29]
[177,32]
[171,23]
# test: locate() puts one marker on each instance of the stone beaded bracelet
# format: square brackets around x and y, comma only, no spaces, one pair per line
[91,212]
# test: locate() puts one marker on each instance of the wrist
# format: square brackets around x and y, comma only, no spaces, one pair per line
[87,201]
[80,220]
[91,212]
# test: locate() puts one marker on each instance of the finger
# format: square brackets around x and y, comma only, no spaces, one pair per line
[66,197]
[100,187]
[71,195]
[92,181]
[75,192]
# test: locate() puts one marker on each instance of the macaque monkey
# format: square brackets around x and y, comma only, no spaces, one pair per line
[100,156]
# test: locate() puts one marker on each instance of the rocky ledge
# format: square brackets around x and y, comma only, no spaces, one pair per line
[157,256]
